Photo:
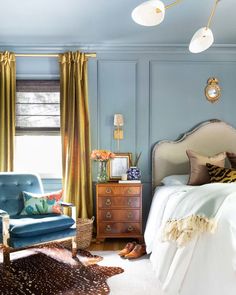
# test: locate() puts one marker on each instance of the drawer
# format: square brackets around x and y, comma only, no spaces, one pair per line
[130,191]
[118,202]
[110,228]
[119,215]
[108,190]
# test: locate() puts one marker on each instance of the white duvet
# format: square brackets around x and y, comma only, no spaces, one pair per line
[207,264]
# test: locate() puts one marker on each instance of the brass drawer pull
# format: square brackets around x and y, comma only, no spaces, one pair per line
[129,202]
[130,215]
[129,191]
[130,228]
[108,228]
[108,202]
[108,190]
[108,215]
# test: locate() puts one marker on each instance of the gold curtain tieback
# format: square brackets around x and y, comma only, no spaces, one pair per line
[7,58]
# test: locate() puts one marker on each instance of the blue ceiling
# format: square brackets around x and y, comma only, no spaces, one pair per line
[61,22]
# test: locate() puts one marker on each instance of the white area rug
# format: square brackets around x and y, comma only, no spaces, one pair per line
[138,277]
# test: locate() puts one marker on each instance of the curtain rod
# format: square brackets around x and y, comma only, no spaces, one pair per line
[48,55]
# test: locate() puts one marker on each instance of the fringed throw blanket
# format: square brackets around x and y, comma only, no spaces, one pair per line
[184,230]
[197,212]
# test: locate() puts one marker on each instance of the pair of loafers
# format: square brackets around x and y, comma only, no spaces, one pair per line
[133,250]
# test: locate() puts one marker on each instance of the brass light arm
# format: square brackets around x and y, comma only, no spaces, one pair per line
[173,4]
[210,18]
[212,14]
[168,6]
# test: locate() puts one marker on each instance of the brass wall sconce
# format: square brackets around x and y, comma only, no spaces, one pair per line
[118,132]
[212,90]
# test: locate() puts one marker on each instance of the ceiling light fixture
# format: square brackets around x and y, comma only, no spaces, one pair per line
[203,38]
[152,13]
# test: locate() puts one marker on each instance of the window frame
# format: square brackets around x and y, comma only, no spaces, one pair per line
[39,86]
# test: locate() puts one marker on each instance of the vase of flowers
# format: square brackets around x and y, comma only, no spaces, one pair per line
[102,157]
[134,173]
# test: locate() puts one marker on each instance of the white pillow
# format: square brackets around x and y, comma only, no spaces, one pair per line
[175,179]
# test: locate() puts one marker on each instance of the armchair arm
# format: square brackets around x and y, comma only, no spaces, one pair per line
[2,212]
[5,226]
[73,210]
[66,204]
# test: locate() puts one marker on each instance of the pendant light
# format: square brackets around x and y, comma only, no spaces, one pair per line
[152,13]
[149,13]
[203,38]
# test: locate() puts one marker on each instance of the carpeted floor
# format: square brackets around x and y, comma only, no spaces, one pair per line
[52,271]
[138,277]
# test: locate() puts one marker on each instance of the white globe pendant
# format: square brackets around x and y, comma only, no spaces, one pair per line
[201,40]
[149,13]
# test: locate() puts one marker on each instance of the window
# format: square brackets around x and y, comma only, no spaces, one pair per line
[38,141]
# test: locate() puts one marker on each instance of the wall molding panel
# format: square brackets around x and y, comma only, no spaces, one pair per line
[116,47]
[158,89]
[116,94]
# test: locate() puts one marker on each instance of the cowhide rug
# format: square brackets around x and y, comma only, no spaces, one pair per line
[51,270]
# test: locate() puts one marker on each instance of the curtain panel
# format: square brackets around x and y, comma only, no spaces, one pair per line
[7,109]
[75,132]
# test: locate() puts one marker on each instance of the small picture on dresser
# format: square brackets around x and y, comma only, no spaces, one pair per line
[118,165]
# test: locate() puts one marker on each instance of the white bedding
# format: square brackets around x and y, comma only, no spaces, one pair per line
[207,264]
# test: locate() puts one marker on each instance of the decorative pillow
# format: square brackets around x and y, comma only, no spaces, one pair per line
[175,179]
[219,174]
[42,204]
[198,170]
[232,159]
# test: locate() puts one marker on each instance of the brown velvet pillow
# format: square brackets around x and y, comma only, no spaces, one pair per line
[232,159]
[198,170]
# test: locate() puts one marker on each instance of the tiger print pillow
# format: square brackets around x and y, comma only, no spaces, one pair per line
[219,174]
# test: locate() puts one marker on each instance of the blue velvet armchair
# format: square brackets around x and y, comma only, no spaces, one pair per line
[21,231]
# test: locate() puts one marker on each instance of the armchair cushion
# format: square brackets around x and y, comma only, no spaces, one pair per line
[29,241]
[35,225]
[41,204]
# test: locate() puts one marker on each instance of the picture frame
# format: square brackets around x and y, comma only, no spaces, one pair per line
[118,165]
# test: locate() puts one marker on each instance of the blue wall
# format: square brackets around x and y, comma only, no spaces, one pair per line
[160,92]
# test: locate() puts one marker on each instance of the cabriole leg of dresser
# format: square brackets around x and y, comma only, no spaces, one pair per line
[99,240]
[141,240]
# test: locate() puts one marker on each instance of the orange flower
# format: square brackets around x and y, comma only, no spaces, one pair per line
[102,155]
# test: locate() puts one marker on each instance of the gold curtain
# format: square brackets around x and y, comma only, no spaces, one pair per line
[7,109]
[75,132]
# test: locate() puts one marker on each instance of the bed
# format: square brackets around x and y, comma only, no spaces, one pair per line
[205,263]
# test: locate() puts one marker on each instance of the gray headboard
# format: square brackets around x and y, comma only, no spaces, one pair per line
[208,138]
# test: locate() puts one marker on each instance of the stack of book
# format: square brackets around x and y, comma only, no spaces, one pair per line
[129,181]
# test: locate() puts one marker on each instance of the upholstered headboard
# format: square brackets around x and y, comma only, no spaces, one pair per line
[208,138]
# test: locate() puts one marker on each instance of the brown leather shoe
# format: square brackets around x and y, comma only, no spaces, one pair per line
[127,249]
[138,251]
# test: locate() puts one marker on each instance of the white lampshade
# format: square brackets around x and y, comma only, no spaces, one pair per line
[118,120]
[149,13]
[201,40]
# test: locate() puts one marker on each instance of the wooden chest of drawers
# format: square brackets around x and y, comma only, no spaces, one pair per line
[119,210]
